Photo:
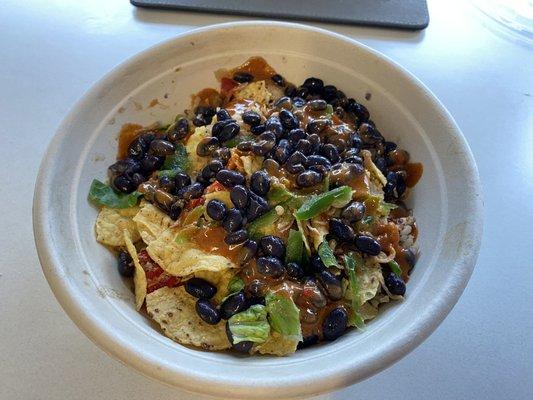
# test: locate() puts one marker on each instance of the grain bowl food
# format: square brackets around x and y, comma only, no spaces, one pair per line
[265,218]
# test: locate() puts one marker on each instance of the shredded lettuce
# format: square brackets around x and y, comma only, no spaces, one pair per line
[250,325]
[179,161]
[283,315]
[395,267]
[235,285]
[355,318]
[105,195]
[326,254]
[315,205]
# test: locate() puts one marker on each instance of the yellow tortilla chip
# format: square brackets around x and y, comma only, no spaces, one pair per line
[251,164]
[180,259]
[111,222]
[277,344]
[151,222]
[196,162]
[174,310]
[256,91]
[139,278]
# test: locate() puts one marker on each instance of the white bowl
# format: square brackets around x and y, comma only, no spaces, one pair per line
[447,204]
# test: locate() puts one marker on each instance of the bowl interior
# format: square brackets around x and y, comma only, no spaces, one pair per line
[83,274]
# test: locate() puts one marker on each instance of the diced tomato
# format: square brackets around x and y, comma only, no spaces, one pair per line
[155,275]
[195,203]
[227,85]
[216,186]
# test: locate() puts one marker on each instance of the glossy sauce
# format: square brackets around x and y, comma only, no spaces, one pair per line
[256,66]
[127,134]
[208,97]
[211,240]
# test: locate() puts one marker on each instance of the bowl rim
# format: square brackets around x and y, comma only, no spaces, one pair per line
[151,367]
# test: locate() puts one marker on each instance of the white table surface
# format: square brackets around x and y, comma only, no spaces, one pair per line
[52,51]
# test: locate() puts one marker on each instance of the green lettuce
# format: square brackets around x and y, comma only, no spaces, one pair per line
[355,318]
[104,195]
[326,254]
[250,325]
[283,315]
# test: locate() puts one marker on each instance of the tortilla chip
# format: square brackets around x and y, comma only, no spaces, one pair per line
[139,278]
[368,278]
[151,222]
[180,259]
[251,164]
[318,228]
[174,310]
[218,279]
[367,311]
[256,91]
[277,344]
[111,222]
[222,195]
[196,162]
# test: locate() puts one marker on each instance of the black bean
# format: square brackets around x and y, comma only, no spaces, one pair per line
[243,77]
[193,191]
[234,304]
[215,165]
[270,266]
[288,120]
[207,146]
[338,141]
[283,102]
[239,196]
[229,131]
[318,160]
[339,112]
[163,200]
[309,178]
[181,180]
[381,164]
[199,120]
[335,323]
[290,90]
[175,210]
[294,168]
[260,183]
[268,136]
[236,237]
[251,118]
[315,264]
[127,166]
[248,251]
[271,166]
[304,146]
[355,141]
[241,347]
[317,126]
[206,111]
[207,311]
[262,147]
[230,178]
[410,258]
[298,102]
[257,207]
[341,231]
[223,154]
[297,158]
[295,135]
[314,85]
[322,170]
[308,341]
[317,105]
[330,152]
[179,130]
[257,129]
[281,151]
[272,246]
[400,185]
[232,221]
[278,79]
[250,301]
[150,163]
[329,93]
[315,141]
[223,114]
[302,92]
[125,264]
[207,175]
[368,245]
[138,147]
[331,285]
[390,146]
[369,134]
[343,173]
[294,271]
[353,212]
[199,288]
[273,124]
[358,109]
[161,147]
[123,184]
[137,179]
[167,184]
[216,209]
[217,126]
[395,284]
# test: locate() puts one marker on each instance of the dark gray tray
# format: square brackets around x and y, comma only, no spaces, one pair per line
[405,14]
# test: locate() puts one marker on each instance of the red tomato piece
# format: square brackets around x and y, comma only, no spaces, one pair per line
[155,275]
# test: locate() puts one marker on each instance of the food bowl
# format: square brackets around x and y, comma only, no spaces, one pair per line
[157,84]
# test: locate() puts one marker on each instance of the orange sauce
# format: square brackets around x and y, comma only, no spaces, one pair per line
[127,134]
[414,173]
[208,97]
[256,66]
[211,240]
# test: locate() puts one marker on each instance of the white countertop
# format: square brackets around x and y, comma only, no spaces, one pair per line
[52,51]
